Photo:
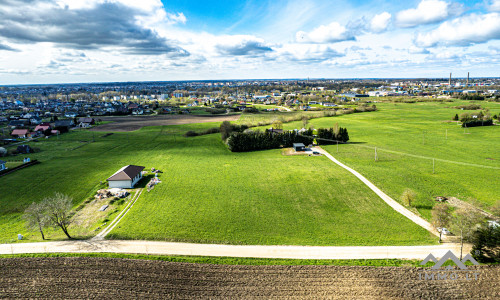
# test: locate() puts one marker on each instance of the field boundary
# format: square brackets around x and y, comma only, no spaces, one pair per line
[391,202]
[25,165]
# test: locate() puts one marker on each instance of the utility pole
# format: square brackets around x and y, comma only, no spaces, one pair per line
[433,164]
[376,156]
[446,133]
[337,146]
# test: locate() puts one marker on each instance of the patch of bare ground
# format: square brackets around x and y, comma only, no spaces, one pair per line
[131,123]
[125,278]
[455,202]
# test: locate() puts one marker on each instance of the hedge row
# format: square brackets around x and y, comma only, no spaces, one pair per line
[332,136]
[477,123]
[251,141]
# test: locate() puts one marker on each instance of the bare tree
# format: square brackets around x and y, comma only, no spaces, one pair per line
[36,217]
[408,197]
[495,209]
[441,217]
[58,210]
[305,121]
[464,223]
[336,129]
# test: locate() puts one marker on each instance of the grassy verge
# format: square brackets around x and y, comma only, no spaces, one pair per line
[236,260]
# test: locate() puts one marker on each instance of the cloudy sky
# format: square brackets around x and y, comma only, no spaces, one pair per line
[52,41]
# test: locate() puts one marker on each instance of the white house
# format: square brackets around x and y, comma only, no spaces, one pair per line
[126,178]
[2,165]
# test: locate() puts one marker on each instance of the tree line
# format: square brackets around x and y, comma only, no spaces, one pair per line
[238,139]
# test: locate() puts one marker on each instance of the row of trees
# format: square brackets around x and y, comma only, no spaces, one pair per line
[476,123]
[256,140]
[53,211]
[226,128]
[238,139]
[328,136]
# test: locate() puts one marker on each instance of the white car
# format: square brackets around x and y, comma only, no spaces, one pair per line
[443,230]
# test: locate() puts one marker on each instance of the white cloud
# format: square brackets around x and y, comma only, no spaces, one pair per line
[380,22]
[417,50]
[494,6]
[463,31]
[331,33]
[241,45]
[427,12]
[305,53]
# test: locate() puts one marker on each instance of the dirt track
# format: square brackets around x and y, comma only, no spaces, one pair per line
[123,278]
[131,123]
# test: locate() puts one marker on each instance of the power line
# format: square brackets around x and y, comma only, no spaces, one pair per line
[407,154]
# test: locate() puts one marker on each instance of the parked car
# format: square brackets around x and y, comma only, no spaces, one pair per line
[443,231]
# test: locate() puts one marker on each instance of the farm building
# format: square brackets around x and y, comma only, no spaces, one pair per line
[2,165]
[299,147]
[86,122]
[126,178]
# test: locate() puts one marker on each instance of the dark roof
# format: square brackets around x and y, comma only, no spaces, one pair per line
[126,173]
[298,145]
[85,120]
[2,162]
[18,122]
[63,123]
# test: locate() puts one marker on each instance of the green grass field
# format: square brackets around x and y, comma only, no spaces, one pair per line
[408,137]
[209,194]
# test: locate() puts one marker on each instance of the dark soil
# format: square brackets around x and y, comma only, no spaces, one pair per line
[131,123]
[107,278]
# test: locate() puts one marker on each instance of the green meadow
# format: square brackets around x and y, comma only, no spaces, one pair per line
[211,195]
[208,194]
[408,137]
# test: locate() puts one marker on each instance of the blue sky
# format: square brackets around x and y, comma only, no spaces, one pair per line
[47,41]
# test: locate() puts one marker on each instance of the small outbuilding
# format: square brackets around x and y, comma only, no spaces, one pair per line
[126,178]
[2,165]
[299,147]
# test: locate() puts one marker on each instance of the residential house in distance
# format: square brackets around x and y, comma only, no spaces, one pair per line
[42,127]
[18,123]
[2,165]
[126,178]
[20,133]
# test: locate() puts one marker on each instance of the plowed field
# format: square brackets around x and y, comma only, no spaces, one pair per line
[124,278]
[131,123]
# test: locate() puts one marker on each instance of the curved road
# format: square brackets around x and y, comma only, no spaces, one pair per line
[391,202]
